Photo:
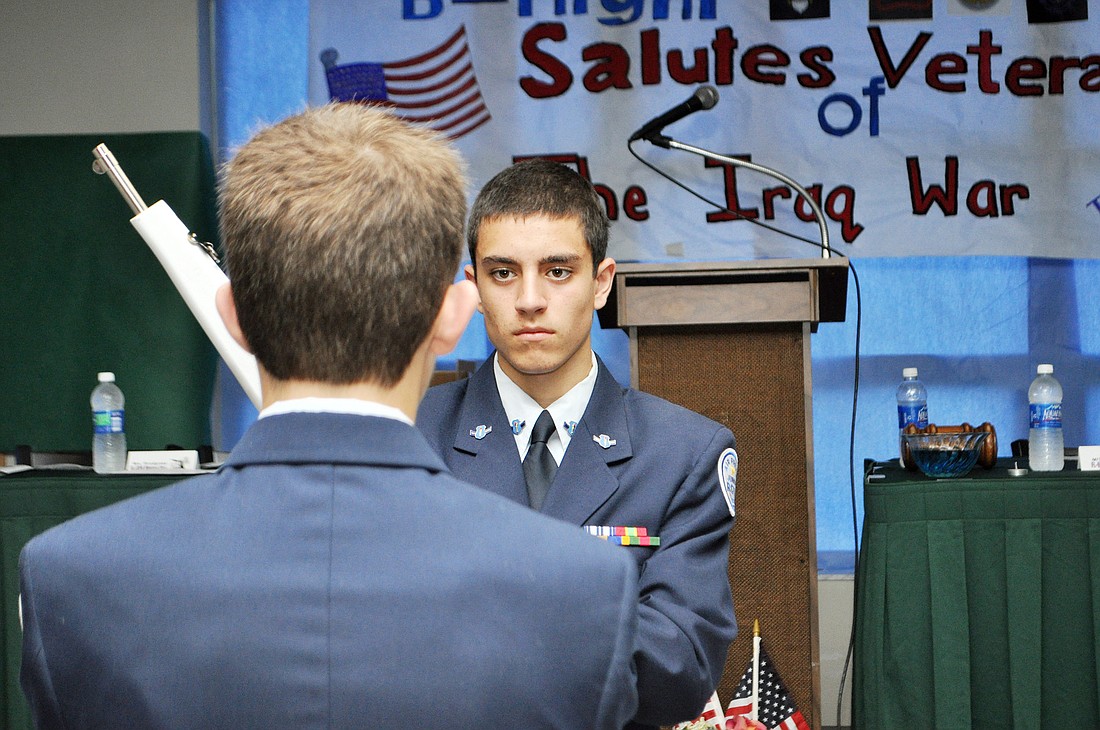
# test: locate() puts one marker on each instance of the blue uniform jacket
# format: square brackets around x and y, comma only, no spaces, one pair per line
[661,473]
[332,574]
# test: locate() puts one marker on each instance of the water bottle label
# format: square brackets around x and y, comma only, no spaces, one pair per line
[1046,415]
[108,421]
[912,413]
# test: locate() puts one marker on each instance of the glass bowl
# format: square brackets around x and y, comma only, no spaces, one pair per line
[945,455]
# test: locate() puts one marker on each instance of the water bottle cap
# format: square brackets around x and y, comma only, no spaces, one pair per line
[106,377]
[909,373]
[1045,369]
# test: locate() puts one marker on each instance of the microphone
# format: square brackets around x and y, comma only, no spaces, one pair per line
[704,97]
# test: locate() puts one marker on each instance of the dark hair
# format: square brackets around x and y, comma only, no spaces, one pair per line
[342,228]
[541,187]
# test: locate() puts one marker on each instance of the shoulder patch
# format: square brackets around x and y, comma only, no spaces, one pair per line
[727,477]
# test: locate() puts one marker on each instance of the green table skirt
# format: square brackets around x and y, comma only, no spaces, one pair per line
[976,602]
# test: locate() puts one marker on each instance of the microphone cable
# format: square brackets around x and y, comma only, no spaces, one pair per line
[855,397]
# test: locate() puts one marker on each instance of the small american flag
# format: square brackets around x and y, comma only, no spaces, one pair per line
[775,708]
[437,88]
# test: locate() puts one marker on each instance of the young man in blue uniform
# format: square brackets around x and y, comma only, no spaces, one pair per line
[652,476]
[333,573]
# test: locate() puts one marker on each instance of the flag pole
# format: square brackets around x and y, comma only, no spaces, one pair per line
[755,668]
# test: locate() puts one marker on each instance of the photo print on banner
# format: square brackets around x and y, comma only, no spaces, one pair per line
[1056,11]
[799,9]
[900,9]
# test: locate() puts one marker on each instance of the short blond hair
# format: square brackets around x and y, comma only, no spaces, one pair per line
[342,227]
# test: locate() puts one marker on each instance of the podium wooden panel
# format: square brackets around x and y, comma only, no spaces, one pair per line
[731,340]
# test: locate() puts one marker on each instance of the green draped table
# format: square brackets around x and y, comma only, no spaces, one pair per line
[81,291]
[978,601]
[32,502]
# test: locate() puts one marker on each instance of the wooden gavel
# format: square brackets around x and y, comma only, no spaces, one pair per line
[987,457]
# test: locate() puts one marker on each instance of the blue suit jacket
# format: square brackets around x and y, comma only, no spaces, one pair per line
[661,474]
[331,575]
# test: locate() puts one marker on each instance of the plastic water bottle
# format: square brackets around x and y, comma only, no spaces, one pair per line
[1045,443]
[912,406]
[108,419]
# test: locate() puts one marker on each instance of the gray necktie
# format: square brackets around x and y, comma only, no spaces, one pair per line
[539,465]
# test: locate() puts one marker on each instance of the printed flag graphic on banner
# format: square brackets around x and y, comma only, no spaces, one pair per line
[774,706]
[437,88]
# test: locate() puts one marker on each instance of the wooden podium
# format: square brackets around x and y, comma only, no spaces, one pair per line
[731,340]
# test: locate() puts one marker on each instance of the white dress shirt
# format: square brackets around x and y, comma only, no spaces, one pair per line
[352,406]
[523,409]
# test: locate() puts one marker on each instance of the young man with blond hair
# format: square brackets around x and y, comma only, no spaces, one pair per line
[333,573]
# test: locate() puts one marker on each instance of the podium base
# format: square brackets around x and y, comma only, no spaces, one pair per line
[755,379]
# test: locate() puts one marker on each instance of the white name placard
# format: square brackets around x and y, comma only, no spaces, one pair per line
[1088,458]
[170,460]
